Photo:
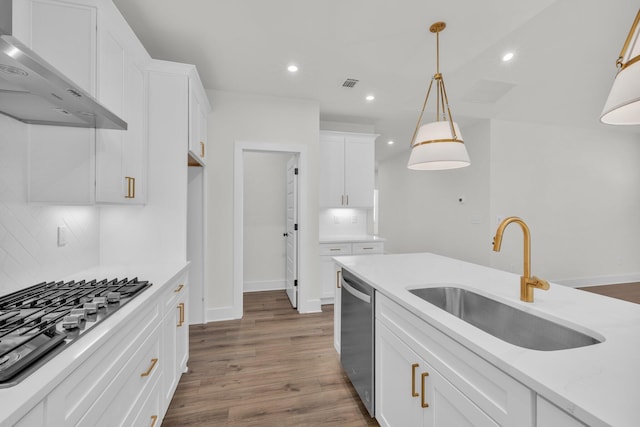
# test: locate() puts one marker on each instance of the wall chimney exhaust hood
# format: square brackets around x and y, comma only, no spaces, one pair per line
[33,91]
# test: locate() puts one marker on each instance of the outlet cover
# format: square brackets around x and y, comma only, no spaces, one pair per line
[62,235]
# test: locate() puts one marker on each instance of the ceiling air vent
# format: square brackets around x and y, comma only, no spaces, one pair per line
[350,83]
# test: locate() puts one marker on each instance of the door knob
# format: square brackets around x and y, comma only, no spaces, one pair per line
[286,234]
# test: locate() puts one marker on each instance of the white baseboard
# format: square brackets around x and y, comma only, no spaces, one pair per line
[327,300]
[268,285]
[309,306]
[599,280]
[222,313]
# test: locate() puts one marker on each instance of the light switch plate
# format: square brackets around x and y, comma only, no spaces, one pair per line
[62,235]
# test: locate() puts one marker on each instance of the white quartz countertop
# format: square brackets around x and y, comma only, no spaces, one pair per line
[17,399]
[361,238]
[598,384]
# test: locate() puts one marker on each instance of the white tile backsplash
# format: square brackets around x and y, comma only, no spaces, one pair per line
[29,251]
[343,222]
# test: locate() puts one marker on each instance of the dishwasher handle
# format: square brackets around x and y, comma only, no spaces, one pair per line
[356,293]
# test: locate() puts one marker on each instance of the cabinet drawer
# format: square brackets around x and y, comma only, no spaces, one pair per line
[504,399]
[150,411]
[335,249]
[368,248]
[71,400]
[129,387]
[174,292]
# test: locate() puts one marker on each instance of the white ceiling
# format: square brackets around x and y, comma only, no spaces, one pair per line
[565,52]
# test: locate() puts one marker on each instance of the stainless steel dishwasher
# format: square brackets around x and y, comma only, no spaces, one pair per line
[357,336]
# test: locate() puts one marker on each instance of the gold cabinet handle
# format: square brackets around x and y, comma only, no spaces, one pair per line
[131,187]
[424,397]
[181,308]
[154,420]
[153,365]
[179,288]
[367,249]
[334,249]
[338,273]
[202,149]
[414,393]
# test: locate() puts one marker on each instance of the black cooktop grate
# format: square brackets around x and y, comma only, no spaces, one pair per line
[31,320]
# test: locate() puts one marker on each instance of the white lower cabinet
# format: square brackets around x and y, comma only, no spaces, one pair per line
[424,378]
[412,393]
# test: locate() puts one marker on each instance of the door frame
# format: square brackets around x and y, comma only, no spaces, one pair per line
[304,305]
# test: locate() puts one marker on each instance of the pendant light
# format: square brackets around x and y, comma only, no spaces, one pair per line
[438,145]
[623,104]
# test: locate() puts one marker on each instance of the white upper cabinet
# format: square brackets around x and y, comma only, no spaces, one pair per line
[121,155]
[198,111]
[61,159]
[90,43]
[347,163]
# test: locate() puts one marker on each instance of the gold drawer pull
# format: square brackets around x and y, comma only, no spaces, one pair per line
[181,308]
[153,365]
[424,381]
[338,273]
[413,380]
[367,249]
[131,187]
[202,149]
[335,249]
[154,420]
[179,288]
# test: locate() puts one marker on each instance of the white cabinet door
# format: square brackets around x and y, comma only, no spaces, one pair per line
[175,328]
[61,159]
[121,155]
[359,172]
[347,163]
[197,124]
[331,185]
[409,391]
[397,390]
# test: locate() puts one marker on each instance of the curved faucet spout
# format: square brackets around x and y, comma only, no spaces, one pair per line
[527,283]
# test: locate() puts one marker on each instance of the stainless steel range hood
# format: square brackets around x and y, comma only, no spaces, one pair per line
[33,91]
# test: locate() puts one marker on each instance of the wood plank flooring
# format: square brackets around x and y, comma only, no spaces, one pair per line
[625,291]
[274,367]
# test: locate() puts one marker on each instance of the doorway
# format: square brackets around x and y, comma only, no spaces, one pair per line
[241,166]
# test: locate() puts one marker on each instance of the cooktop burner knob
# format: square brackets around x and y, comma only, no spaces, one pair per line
[90,307]
[80,312]
[101,301]
[113,297]
[71,322]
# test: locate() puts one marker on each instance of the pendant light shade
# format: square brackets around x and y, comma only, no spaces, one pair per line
[438,145]
[623,104]
[435,149]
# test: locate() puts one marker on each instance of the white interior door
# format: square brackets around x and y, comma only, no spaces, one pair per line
[291,233]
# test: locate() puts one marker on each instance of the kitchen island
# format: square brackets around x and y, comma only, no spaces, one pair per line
[124,371]
[596,385]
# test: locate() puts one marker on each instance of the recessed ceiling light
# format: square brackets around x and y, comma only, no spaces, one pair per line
[507,57]
[292,68]
[370,98]
[390,142]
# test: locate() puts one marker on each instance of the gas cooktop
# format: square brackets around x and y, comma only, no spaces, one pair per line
[38,322]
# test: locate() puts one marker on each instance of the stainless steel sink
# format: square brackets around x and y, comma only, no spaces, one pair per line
[503,321]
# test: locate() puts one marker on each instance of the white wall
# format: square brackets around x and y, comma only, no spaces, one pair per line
[247,117]
[343,222]
[420,212]
[29,252]
[265,185]
[579,192]
[577,189]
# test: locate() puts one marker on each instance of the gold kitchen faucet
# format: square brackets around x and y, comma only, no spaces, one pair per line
[527,283]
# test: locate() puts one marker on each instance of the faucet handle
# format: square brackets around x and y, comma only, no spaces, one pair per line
[540,283]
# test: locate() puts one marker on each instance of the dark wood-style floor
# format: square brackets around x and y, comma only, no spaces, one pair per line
[626,291]
[274,367]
